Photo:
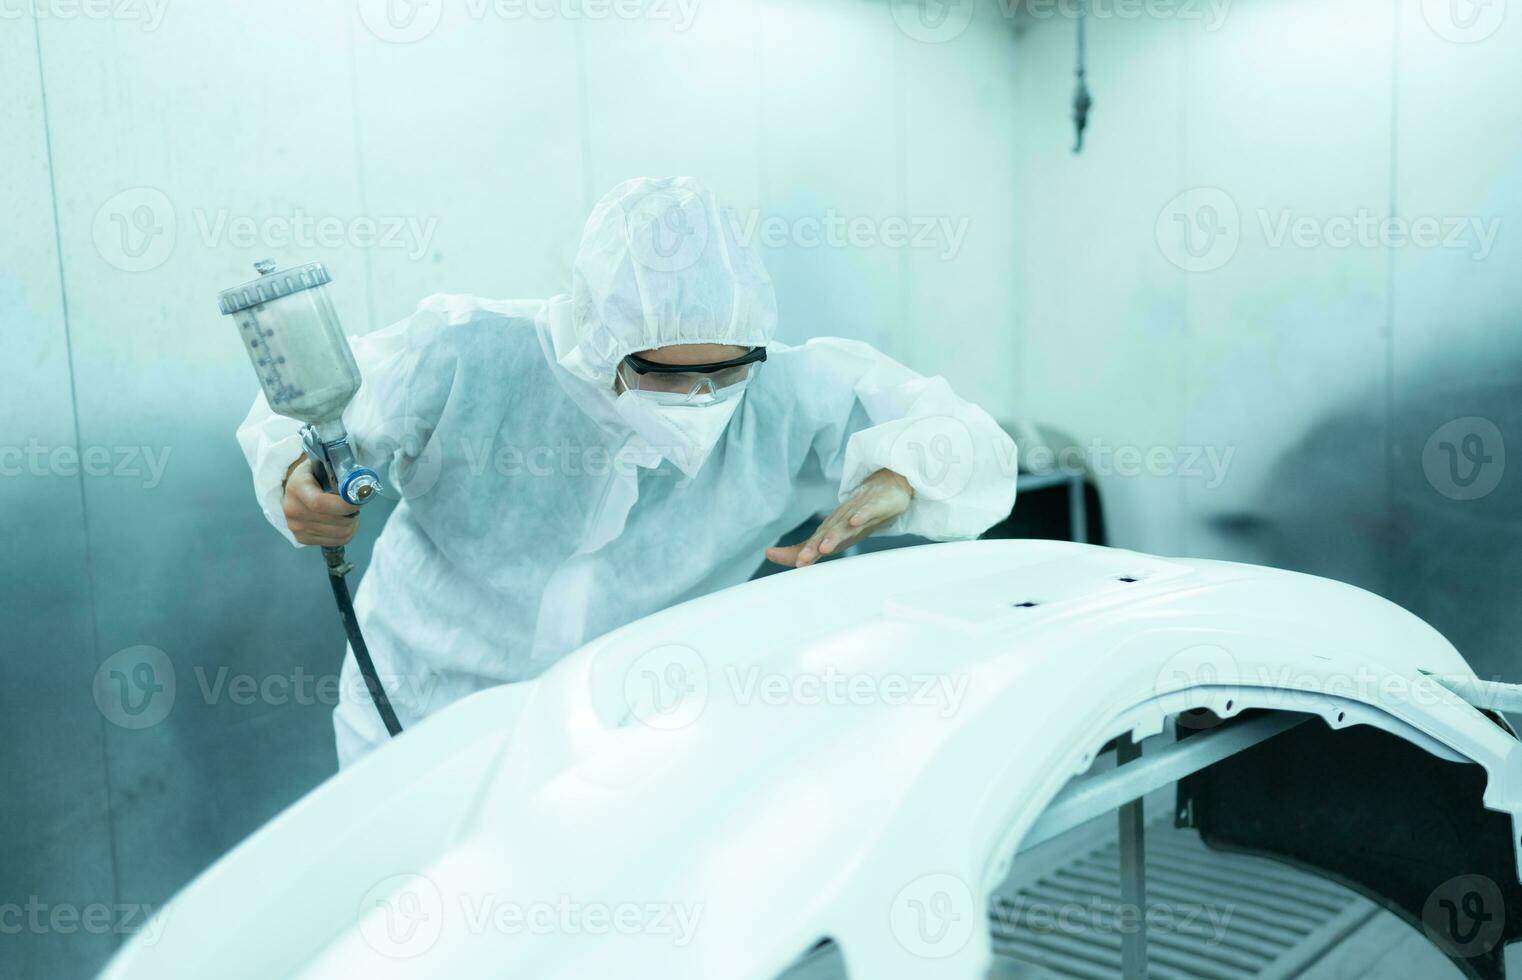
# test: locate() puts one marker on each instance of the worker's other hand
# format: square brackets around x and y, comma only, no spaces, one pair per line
[880,499]
[313,516]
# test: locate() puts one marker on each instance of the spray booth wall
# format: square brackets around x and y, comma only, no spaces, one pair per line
[1290,247]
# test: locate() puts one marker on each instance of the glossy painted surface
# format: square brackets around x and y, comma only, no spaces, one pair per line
[808,755]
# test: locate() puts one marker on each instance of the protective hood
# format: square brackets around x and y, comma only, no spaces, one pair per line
[660,263]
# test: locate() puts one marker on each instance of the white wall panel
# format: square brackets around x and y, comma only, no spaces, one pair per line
[958,130]
[166,140]
[55,833]
[1102,319]
[830,151]
[1287,111]
[470,138]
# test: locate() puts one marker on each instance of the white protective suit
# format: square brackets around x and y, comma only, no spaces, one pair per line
[532,518]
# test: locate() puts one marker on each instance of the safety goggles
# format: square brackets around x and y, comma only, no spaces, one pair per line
[692,382]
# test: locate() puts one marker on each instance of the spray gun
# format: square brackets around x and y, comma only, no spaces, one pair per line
[297,347]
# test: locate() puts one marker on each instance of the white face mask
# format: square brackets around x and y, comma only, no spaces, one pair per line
[683,432]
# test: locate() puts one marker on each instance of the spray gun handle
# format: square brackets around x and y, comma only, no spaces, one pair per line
[321,468]
[335,468]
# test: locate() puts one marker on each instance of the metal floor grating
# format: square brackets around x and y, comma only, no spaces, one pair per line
[1215,916]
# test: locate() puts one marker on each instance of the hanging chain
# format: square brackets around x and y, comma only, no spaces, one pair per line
[1081,100]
